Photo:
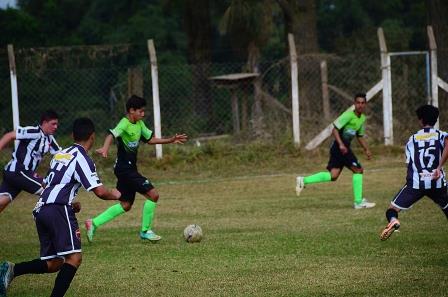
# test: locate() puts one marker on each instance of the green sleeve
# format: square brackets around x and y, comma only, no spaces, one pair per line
[118,130]
[146,133]
[343,119]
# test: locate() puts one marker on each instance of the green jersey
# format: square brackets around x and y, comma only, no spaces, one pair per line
[350,125]
[128,136]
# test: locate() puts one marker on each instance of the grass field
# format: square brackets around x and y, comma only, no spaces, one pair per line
[260,239]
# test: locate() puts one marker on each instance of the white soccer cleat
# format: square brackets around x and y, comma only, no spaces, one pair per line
[299,185]
[364,204]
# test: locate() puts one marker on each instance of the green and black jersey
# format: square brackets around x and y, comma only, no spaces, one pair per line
[350,125]
[128,136]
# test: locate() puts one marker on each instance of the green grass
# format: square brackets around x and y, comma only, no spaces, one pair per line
[259,238]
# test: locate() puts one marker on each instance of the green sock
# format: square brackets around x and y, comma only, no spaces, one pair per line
[108,215]
[357,187]
[319,177]
[148,215]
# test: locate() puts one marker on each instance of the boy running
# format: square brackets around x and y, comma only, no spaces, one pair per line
[57,227]
[425,155]
[128,133]
[31,144]
[347,126]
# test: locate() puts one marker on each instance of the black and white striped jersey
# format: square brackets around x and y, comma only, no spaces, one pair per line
[423,153]
[70,169]
[30,146]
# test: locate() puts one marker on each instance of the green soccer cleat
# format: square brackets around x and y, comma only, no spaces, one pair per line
[150,235]
[90,227]
[6,276]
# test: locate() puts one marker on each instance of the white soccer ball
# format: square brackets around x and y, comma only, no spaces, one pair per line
[193,233]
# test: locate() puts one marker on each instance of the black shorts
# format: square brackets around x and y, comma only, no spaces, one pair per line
[408,196]
[15,182]
[338,160]
[130,182]
[58,231]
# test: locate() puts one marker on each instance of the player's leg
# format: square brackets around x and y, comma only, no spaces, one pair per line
[66,274]
[351,162]
[403,200]
[334,169]
[7,193]
[149,208]
[5,200]
[114,211]
[440,197]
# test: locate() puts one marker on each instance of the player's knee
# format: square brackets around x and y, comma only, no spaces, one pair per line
[126,205]
[359,170]
[153,195]
[74,259]
[55,264]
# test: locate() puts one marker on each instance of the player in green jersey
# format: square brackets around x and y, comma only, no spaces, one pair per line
[347,126]
[128,133]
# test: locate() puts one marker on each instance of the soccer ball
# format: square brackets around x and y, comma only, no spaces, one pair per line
[193,233]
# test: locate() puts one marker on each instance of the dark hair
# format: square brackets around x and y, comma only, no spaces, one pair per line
[360,95]
[135,102]
[428,114]
[82,129]
[48,115]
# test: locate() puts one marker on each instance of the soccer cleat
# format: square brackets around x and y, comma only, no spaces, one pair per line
[393,226]
[299,185]
[90,227]
[150,235]
[364,204]
[6,276]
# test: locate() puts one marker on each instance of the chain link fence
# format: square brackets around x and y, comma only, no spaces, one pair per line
[193,102]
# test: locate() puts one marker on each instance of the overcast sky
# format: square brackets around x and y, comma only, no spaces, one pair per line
[5,3]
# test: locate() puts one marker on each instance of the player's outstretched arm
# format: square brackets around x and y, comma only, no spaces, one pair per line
[7,138]
[104,150]
[103,193]
[177,139]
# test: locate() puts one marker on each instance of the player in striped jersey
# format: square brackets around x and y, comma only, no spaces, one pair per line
[57,227]
[31,144]
[425,155]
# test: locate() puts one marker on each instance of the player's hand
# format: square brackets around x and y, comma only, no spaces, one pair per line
[343,149]
[116,193]
[180,138]
[76,206]
[436,173]
[368,154]
[103,152]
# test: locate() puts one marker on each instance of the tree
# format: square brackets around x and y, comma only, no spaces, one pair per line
[437,11]
[249,24]
[301,20]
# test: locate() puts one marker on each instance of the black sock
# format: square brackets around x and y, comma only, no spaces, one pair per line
[445,211]
[36,266]
[63,280]
[391,213]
